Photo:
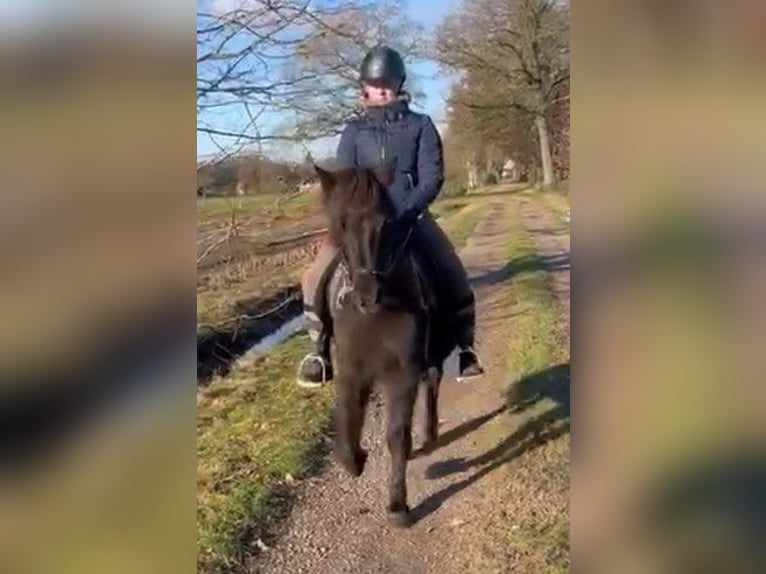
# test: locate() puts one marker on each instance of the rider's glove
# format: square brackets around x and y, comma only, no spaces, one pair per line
[409,216]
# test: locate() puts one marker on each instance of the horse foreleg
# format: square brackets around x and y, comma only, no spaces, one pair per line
[350,407]
[400,404]
[431,430]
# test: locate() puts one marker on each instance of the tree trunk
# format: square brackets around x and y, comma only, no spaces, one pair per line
[545,150]
[473,176]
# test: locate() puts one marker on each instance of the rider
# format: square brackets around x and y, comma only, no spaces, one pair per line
[390,134]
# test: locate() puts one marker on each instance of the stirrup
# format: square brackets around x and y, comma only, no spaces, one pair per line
[470,349]
[312,384]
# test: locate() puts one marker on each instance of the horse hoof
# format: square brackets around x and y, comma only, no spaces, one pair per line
[401,519]
[429,446]
[359,461]
[354,464]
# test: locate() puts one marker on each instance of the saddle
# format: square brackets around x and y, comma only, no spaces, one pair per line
[335,285]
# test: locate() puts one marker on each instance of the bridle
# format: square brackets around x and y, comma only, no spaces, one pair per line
[393,262]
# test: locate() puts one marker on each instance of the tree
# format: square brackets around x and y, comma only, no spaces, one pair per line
[244,51]
[480,139]
[516,56]
[560,134]
[217,176]
[329,63]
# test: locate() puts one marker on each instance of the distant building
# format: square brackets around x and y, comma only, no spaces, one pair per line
[511,171]
[307,185]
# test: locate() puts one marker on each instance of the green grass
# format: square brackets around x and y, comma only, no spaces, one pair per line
[446,206]
[536,344]
[559,205]
[254,428]
[459,224]
[556,202]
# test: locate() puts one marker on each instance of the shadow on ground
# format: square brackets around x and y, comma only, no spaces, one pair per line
[520,265]
[551,384]
[501,189]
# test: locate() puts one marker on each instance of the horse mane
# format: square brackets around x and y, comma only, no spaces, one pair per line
[356,196]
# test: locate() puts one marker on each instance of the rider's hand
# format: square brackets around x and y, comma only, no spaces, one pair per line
[409,216]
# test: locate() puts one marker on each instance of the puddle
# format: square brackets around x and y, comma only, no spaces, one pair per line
[268,343]
[266,322]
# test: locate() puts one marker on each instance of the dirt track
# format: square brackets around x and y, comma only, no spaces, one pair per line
[460,494]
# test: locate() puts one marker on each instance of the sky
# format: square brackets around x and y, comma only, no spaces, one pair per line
[432,82]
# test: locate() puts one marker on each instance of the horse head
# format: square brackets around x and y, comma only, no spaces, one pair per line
[363,226]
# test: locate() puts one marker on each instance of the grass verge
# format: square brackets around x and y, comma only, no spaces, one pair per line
[256,430]
[538,357]
[536,342]
[460,224]
[558,204]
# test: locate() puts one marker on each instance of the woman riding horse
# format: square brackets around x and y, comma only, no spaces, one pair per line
[391,136]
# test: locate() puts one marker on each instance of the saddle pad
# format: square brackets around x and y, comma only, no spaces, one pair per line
[339,287]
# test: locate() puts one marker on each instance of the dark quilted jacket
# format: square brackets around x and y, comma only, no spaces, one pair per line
[395,136]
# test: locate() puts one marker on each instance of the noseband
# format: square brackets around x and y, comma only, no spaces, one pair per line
[383,274]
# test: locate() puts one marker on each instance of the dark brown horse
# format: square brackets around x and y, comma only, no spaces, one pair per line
[384,329]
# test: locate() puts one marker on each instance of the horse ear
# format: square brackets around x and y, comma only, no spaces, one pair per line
[384,175]
[326,178]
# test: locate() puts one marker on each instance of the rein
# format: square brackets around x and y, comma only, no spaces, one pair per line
[395,260]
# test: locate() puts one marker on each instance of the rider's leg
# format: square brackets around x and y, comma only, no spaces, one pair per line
[316,367]
[453,290]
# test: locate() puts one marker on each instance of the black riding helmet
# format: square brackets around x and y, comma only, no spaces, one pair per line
[383,65]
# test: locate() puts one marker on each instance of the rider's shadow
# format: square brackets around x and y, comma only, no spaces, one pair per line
[550,386]
[521,265]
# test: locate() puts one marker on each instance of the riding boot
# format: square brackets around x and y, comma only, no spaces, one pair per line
[469,365]
[316,367]
[455,298]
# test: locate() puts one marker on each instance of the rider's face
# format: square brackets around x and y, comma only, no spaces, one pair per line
[378,94]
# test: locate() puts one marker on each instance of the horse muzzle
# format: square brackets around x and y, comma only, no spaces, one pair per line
[367,302]
[367,308]
[366,293]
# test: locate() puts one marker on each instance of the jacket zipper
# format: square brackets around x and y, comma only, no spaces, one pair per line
[383,144]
